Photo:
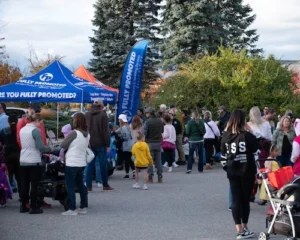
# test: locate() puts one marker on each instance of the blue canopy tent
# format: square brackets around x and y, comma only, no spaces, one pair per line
[55,83]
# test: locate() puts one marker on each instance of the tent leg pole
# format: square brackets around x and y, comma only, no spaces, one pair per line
[116,113]
[57,120]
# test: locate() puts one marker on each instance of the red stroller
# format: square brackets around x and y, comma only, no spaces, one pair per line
[284,194]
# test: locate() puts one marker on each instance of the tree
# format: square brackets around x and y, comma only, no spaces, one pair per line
[118,26]
[194,28]
[9,72]
[37,63]
[1,48]
[235,80]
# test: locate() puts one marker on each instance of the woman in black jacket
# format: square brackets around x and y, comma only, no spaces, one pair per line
[239,150]
[8,139]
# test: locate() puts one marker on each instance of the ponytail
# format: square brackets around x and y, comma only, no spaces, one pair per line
[33,117]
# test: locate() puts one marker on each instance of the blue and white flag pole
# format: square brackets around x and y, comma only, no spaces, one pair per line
[131,82]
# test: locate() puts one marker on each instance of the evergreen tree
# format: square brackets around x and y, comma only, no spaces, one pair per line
[118,26]
[198,27]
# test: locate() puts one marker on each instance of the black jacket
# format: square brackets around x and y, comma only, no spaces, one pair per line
[223,121]
[153,129]
[239,151]
[177,126]
[9,140]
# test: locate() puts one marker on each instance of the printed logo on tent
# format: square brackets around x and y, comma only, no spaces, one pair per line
[77,78]
[45,77]
[128,114]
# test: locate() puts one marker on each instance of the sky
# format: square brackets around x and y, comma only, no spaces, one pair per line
[63,27]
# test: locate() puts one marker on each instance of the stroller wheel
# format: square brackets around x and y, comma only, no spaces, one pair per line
[263,236]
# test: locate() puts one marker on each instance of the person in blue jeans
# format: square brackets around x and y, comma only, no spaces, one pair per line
[77,143]
[98,127]
[195,131]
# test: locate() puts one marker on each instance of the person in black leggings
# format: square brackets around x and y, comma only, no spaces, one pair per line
[127,143]
[239,149]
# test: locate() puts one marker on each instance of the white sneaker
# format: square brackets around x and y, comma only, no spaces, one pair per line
[165,165]
[70,213]
[170,169]
[99,185]
[82,211]
[136,186]
[145,187]
[245,234]
[175,165]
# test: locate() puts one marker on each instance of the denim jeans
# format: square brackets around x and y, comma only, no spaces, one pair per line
[89,171]
[101,159]
[193,147]
[74,176]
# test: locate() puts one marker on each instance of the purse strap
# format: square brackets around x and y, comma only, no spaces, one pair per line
[210,128]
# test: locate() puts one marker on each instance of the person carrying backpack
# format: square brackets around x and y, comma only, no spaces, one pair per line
[240,149]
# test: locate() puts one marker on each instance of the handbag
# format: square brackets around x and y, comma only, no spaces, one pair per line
[89,155]
[168,146]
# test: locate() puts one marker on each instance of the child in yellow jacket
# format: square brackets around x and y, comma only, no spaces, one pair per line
[143,159]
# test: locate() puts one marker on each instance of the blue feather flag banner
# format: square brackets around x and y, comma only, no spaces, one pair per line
[131,82]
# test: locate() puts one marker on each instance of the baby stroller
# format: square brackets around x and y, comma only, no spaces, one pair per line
[53,184]
[284,195]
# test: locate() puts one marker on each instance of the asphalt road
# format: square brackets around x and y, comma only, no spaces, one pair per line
[188,207]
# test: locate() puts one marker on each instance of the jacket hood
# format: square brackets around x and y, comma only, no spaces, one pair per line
[141,146]
[231,137]
[297,126]
[85,134]
[95,110]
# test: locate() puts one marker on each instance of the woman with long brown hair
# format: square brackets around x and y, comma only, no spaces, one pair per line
[136,126]
[77,143]
[195,131]
[239,149]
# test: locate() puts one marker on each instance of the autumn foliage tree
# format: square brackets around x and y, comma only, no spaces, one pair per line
[232,79]
[37,63]
[9,73]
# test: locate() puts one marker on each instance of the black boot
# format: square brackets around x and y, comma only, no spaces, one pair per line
[252,198]
[23,209]
[35,211]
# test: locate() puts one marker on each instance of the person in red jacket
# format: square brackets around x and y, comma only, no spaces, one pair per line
[34,108]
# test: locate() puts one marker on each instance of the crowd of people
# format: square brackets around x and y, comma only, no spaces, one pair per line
[151,141]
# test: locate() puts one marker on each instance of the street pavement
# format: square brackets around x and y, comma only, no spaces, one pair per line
[184,207]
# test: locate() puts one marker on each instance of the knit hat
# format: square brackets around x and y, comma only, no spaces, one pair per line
[66,130]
